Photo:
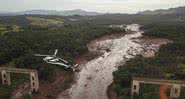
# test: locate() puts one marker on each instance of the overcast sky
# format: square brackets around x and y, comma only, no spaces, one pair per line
[113,6]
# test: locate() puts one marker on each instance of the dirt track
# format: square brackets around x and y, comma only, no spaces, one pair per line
[162,92]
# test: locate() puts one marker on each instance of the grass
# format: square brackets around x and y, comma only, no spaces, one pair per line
[16,28]
[3,29]
[43,22]
[9,28]
[148,90]
[16,80]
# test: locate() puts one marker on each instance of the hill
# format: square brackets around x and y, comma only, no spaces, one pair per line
[53,12]
[178,10]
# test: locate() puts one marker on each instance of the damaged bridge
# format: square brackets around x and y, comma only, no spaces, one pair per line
[6,80]
[175,85]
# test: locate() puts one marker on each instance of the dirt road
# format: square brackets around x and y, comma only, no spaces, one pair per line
[162,92]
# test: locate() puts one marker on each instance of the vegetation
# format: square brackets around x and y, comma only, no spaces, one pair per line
[43,22]
[18,48]
[168,63]
[16,79]
[42,34]
[9,28]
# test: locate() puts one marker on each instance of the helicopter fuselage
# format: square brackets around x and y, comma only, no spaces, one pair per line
[53,59]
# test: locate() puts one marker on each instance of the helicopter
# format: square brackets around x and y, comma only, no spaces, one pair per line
[55,60]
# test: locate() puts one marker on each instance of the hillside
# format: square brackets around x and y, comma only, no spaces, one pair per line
[178,10]
[53,12]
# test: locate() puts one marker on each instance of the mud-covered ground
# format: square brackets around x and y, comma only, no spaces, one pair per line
[96,75]
[105,54]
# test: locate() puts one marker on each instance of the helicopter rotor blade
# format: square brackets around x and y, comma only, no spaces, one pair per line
[41,55]
[56,51]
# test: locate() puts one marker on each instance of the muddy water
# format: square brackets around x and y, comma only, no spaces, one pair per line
[96,75]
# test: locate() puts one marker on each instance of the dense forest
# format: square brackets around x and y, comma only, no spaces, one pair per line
[43,34]
[168,63]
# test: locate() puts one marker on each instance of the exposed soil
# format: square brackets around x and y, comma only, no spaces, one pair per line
[162,91]
[156,43]
[96,75]
[109,36]
[63,80]
[21,90]
[146,40]
[92,54]
[153,44]
[50,89]
[156,40]
[111,93]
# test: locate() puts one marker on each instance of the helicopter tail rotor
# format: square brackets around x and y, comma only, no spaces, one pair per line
[74,67]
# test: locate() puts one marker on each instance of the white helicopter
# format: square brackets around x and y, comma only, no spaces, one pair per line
[53,59]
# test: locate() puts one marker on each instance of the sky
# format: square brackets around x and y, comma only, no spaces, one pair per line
[102,6]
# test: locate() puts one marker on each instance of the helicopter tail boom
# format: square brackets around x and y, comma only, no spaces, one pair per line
[41,55]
